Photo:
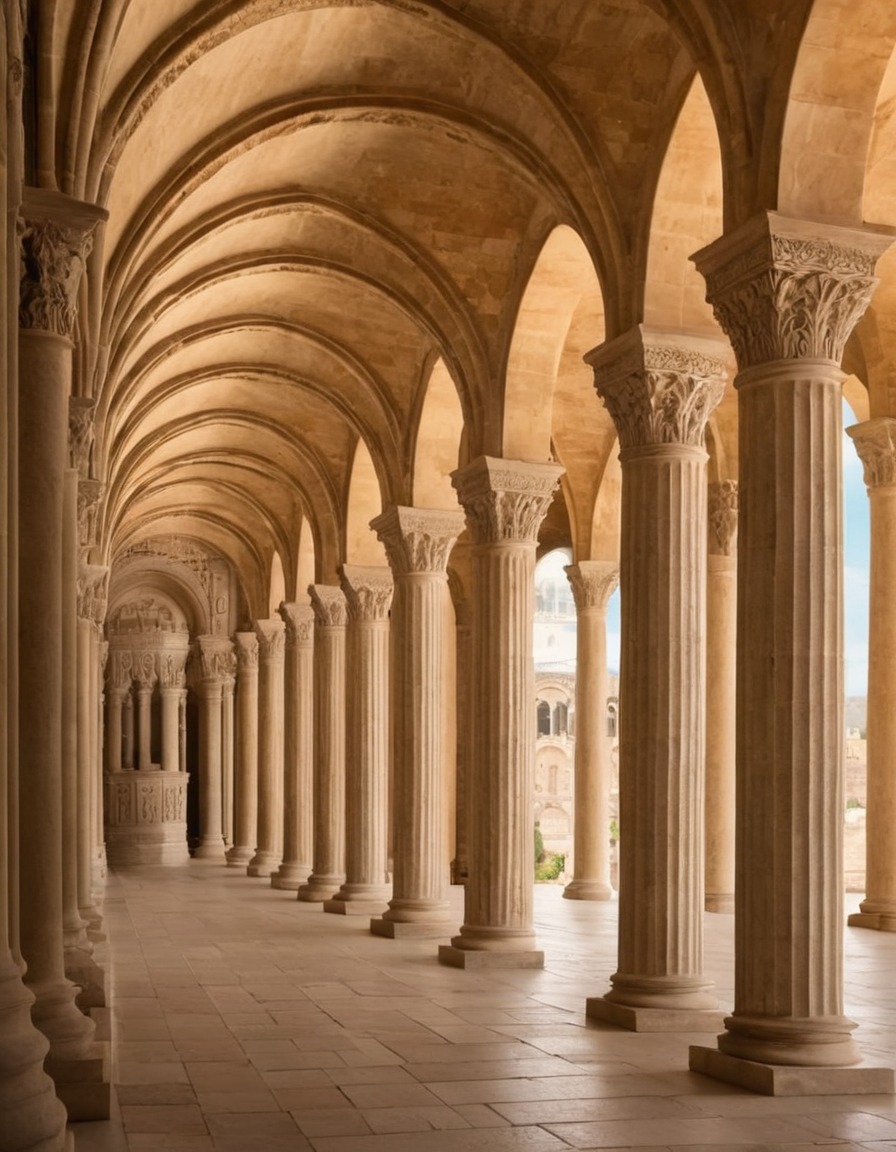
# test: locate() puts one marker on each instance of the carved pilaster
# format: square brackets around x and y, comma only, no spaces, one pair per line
[593,582]
[368,591]
[328,602]
[505,500]
[722,516]
[786,289]
[90,495]
[659,387]
[418,539]
[875,442]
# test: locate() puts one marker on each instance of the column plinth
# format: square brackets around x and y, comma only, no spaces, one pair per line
[418,543]
[298,769]
[593,583]
[505,502]
[368,596]
[660,389]
[788,294]
[269,850]
[330,615]
[245,825]
[215,663]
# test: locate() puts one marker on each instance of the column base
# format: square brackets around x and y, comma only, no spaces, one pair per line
[719,902]
[54,1013]
[320,888]
[472,958]
[791,1080]
[290,877]
[213,850]
[587,890]
[879,921]
[86,974]
[410,929]
[239,857]
[654,1019]
[83,1086]
[263,864]
[345,906]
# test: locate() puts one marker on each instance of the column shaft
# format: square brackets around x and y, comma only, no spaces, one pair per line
[87,766]
[170,704]
[127,723]
[269,850]
[298,780]
[227,755]
[216,663]
[74,927]
[246,768]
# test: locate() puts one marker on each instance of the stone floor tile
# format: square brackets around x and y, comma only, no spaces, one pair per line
[256,1132]
[156,1118]
[149,1073]
[226,1049]
[163,1142]
[481,1116]
[762,1131]
[237,1100]
[577,1109]
[466,1140]
[268,1061]
[279,1078]
[311,1099]
[155,1094]
[412,1119]
[388,1074]
[390,1096]
[331,1122]
[858,1125]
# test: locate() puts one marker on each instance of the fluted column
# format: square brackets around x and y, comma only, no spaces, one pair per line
[56,235]
[721,669]
[788,294]
[298,768]
[245,827]
[418,543]
[269,850]
[330,616]
[216,662]
[368,595]
[660,389]
[505,502]
[593,583]
[875,442]
[227,759]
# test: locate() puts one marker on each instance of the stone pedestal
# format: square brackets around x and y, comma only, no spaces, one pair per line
[721,667]
[269,849]
[659,389]
[298,767]
[146,818]
[505,502]
[368,595]
[418,542]
[875,442]
[215,662]
[593,583]
[245,824]
[788,295]
[329,744]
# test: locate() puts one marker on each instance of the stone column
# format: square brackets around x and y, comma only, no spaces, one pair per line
[659,389]
[505,502]
[368,595]
[593,583]
[227,754]
[269,850]
[298,769]
[875,442]
[87,766]
[127,723]
[458,585]
[56,235]
[721,668]
[114,702]
[171,686]
[418,543]
[215,664]
[788,294]
[330,616]
[245,826]
[145,675]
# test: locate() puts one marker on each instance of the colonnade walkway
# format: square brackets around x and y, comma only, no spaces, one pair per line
[247,1021]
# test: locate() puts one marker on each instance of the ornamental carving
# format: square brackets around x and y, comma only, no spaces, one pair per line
[722,517]
[93,583]
[299,621]
[593,582]
[505,500]
[216,660]
[145,617]
[53,257]
[418,539]
[368,592]
[171,669]
[180,551]
[149,804]
[655,392]
[328,602]
[875,442]
[271,640]
[90,494]
[144,669]
[246,645]
[781,293]
[80,433]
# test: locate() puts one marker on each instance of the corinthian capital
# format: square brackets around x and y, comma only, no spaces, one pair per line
[722,515]
[271,640]
[593,582]
[787,289]
[56,236]
[418,539]
[368,591]
[246,645]
[329,605]
[875,442]
[216,659]
[505,500]
[299,621]
[90,493]
[80,432]
[659,387]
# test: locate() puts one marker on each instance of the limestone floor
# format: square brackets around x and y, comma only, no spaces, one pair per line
[246,1021]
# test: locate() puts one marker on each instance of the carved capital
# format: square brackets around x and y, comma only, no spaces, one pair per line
[90,494]
[299,621]
[246,645]
[93,583]
[659,387]
[368,591]
[593,582]
[785,289]
[328,603]
[271,640]
[875,442]
[215,659]
[418,539]
[80,432]
[722,517]
[505,500]
[171,669]
[144,670]
[56,236]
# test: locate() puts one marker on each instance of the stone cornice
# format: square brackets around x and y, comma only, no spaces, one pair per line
[505,501]
[785,289]
[56,236]
[659,387]
[299,621]
[875,442]
[368,591]
[722,517]
[329,605]
[271,640]
[418,539]
[593,582]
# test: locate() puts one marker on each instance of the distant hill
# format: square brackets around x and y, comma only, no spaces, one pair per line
[855,712]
